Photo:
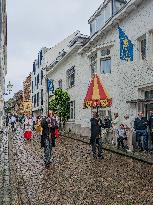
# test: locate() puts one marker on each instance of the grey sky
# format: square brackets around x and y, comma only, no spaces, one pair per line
[33,24]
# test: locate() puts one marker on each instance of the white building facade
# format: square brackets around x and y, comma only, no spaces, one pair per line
[47,57]
[130,84]
[38,84]
[3,55]
[71,73]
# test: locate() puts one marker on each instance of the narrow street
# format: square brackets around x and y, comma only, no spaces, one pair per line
[76,178]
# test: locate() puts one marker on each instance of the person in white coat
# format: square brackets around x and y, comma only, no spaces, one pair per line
[115,124]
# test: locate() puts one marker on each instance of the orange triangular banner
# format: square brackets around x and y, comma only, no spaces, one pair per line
[97,96]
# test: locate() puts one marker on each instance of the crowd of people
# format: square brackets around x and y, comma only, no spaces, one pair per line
[45,128]
[124,134]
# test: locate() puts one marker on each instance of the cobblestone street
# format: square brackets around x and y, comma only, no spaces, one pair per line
[74,177]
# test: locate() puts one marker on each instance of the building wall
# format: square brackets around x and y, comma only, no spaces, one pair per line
[126,79]
[49,56]
[80,124]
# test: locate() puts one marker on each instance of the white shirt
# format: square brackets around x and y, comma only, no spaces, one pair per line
[116,123]
[13,119]
[127,123]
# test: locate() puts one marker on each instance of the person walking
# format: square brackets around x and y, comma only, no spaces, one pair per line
[95,139]
[140,126]
[106,126]
[52,126]
[47,141]
[122,137]
[7,120]
[34,119]
[13,122]
[115,124]
[28,128]
[129,132]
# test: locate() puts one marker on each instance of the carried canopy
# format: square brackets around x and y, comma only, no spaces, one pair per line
[97,95]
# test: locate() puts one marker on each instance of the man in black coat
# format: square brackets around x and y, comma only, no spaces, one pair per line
[95,139]
[140,126]
[46,140]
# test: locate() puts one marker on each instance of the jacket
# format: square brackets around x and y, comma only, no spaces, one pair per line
[140,124]
[151,122]
[95,129]
[45,127]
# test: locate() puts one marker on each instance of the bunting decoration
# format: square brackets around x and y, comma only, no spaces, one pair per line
[97,95]
[126,46]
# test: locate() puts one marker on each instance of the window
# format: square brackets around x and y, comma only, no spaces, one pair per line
[105,52]
[70,77]
[37,80]
[37,99]
[100,21]
[108,11]
[41,96]
[72,110]
[105,65]
[32,99]
[60,83]
[34,68]
[41,77]
[149,95]
[142,47]
[32,86]
[93,27]
[93,64]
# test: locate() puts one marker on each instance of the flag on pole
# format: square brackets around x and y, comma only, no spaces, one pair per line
[50,85]
[126,46]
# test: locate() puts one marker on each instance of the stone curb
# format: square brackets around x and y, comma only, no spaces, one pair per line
[132,155]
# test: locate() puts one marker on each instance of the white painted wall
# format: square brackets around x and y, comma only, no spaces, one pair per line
[125,79]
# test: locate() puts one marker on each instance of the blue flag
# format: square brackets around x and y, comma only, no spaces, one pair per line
[126,46]
[50,85]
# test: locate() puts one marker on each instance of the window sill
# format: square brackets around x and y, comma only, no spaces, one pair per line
[71,120]
[70,87]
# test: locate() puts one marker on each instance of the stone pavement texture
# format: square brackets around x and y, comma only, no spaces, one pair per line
[75,178]
[5,191]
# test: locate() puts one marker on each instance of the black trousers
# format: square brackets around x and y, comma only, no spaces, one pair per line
[97,142]
[120,142]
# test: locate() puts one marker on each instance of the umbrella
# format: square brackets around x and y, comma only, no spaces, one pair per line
[97,96]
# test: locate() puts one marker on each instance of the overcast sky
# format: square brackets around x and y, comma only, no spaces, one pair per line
[33,24]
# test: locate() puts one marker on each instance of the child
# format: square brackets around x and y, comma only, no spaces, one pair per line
[121,136]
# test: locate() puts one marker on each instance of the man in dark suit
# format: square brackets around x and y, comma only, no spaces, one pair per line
[95,139]
[140,126]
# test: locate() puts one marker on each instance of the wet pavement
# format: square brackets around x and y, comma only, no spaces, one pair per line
[75,178]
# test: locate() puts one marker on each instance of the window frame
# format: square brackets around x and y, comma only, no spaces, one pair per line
[69,75]
[72,110]
[38,99]
[42,96]
[140,39]
[60,82]
[93,64]
[105,59]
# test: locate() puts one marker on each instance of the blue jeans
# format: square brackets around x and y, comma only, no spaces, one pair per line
[142,139]
[47,150]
